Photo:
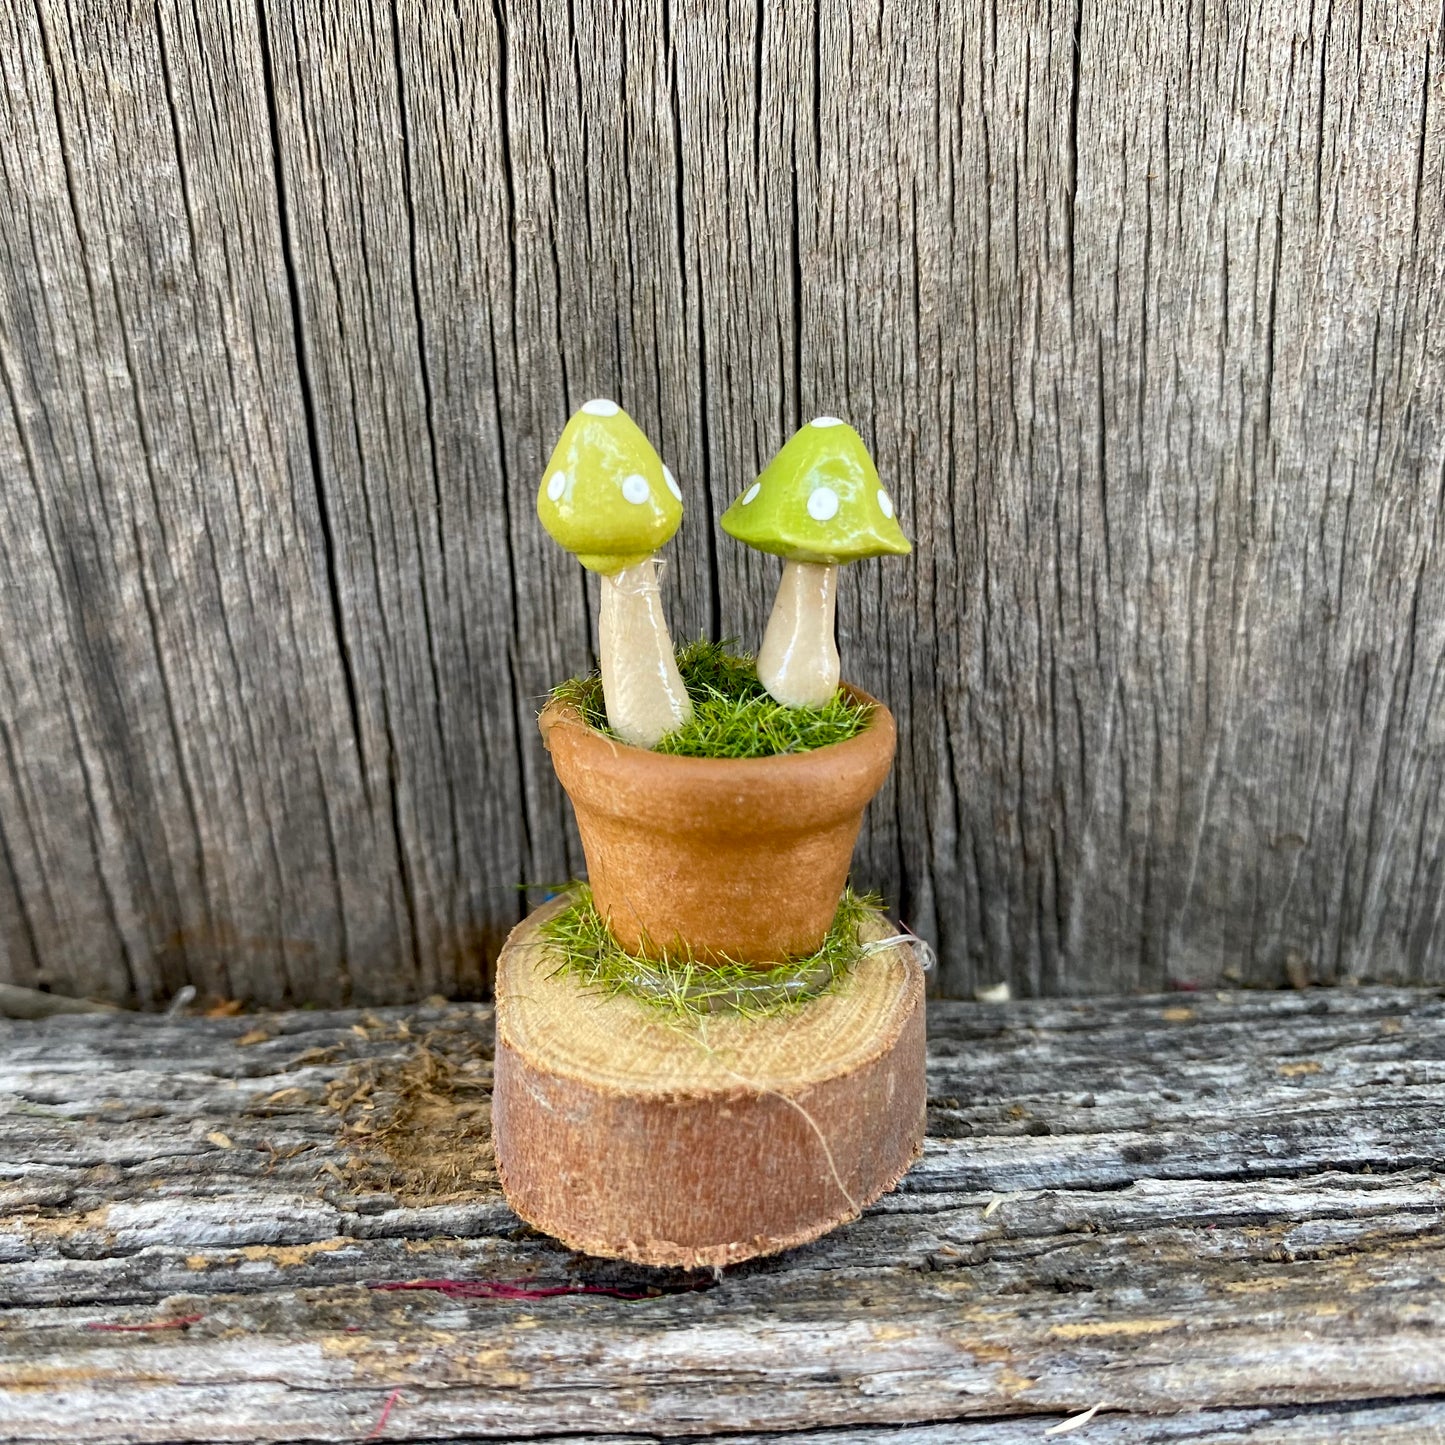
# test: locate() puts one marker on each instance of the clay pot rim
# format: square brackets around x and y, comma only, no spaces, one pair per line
[881,730]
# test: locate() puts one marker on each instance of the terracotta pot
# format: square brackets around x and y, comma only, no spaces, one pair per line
[738,857]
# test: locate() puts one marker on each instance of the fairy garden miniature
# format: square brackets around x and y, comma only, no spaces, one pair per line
[608,498]
[818,505]
[713,1048]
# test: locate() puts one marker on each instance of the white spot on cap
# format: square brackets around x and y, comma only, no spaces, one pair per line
[600,406]
[823,504]
[557,485]
[827,421]
[635,489]
[671,481]
[885,503]
[752,492]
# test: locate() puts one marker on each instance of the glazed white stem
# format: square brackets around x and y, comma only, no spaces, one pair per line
[798,661]
[641,685]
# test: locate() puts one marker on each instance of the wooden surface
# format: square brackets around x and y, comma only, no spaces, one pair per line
[1218,1217]
[1139,309]
[633,1134]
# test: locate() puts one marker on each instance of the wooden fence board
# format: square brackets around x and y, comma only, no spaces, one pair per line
[1141,314]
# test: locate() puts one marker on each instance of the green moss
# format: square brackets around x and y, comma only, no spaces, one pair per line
[686,988]
[733,714]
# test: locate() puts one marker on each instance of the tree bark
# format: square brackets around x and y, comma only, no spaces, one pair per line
[703,1143]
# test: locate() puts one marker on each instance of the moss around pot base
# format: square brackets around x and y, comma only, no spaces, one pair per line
[688,988]
[626,1134]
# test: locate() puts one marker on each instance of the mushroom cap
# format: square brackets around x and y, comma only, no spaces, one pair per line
[605,494]
[818,500]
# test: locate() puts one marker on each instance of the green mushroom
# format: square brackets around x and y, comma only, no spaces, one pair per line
[607,497]
[818,504]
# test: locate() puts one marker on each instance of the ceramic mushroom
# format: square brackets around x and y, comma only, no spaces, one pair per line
[818,504]
[607,497]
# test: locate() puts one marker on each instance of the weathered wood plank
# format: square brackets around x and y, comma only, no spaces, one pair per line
[1221,1218]
[1382,1424]
[1142,315]
[179,787]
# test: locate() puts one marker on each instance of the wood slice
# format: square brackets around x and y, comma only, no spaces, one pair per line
[626,1134]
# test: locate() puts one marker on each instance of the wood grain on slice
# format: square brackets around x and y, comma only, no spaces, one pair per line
[627,1134]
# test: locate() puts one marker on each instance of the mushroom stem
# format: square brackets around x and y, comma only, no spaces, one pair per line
[798,661]
[641,685]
